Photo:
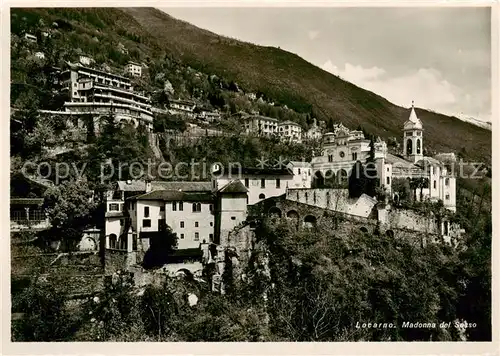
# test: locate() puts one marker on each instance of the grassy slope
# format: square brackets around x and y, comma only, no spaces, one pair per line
[282,75]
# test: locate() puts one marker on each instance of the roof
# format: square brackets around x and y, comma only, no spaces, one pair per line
[289,123]
[428,161]
[399,160]
[300,164]
[132,186]
[260,117]
[79,66]
[186,102]
[234,186]
[413,121]
[114,214]
[174,195]
[257,171]
[182,186]
[26,201]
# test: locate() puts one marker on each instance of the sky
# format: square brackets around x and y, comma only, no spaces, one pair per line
[438,57]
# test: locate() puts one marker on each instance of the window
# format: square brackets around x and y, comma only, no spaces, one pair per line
[330,158]
[246,182]
[161,224]
[211,237]
[299,170]
[447,197]
[146,211]
[162,208]
[233,217]
[418,146]
[447,181]
[197,236]
[262,196]
[342,154]
[387,169]
[435,184]
[181,206]
[354,156]
[409,150]
[114,207]
[211,207]
[182,236]
[196,224]
[388,180]
[174,206]
[277,182]
[408,134]
[262,183]
[182,224]
[146,223]
[211,223]
[196,207]
[122,222]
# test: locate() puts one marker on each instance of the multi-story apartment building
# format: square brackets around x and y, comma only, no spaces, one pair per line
[192,210]
[133,69]
[290,131]
[97,92]
[182,107]
[261,125]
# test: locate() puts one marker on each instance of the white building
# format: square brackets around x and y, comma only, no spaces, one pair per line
[314,133]
[260,125]
[290,131]
[96,92]
[133,69]
[261,183]
[85,60]
[182,107]
[192,210]
[302,174]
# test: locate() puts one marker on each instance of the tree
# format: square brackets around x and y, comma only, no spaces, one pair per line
[70,209]
[371,175]
[162,244]
[357,180]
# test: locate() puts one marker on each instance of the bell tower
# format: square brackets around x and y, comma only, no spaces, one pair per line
[413,144]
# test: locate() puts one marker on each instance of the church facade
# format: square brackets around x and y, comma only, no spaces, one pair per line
[342,149]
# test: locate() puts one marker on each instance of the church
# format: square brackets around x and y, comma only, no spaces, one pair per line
[343,148]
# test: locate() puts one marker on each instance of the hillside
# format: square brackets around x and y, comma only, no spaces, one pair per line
[282,76]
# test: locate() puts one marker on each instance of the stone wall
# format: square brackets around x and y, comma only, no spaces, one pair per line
[333,199]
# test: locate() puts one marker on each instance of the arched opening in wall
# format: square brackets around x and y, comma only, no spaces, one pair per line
[342,177]
[318,180]
[390,234]
[330,179]
[364,230]
[184,273]
[310,221]
[113,240]
[292,215]
[418,146]
[275,212]
[262,196]
[409,148]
